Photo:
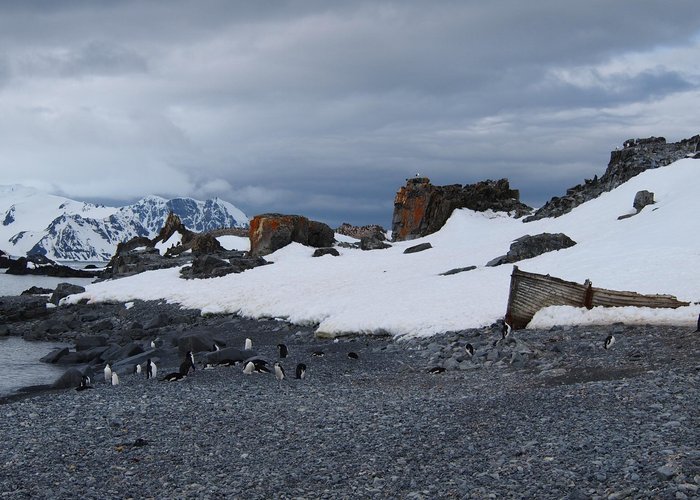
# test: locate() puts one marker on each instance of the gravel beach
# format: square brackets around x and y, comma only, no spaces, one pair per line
[551,415]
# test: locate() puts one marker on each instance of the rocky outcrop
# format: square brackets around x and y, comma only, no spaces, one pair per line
[5,260]
[270,232]
[418,248]
[359,232]
[527,247]
[42,266]
[636,156]
[421,208]
[370,243]
[320,252]
[220,264]
[64,290]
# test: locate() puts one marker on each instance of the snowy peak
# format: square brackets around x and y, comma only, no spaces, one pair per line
[32,222]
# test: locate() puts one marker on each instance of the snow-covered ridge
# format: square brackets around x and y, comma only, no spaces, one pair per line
[387,291]
[65,229]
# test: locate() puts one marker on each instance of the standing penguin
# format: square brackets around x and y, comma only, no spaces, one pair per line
[279,373]
[151,369]
[115,378]
[187,365]
[301,371]
[698,328]
[609,341]
[137,369]
[248,345]
[505,330]
[470,349]
[284,352]
[84,383]
[108,373]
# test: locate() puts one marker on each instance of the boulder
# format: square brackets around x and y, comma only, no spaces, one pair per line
[359,232]
[270,232]
[158,321]
[85,342]
[371,243]
[37,264]
[81,357]
[457,270]
[116,353]
[197,341]
[64,290]
[228,354]
[642,199]
[320,252]
[55,355]
[210,266]
[418,248]
[37,290]
[71,378]
[421,208]
[527,247]
[5,260]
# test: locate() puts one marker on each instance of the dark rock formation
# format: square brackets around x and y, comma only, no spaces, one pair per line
[55,355]
[359,232]
[5,260]
[270,232]
[64,290]
[37,290]
[36,264]
[458,270]
[642,199]
[527,247]
[418,248]
[421,208]
[636,156]
[220,264]
[370,243]
[320,252]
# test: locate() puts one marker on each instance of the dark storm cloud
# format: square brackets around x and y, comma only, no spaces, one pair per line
[324,108]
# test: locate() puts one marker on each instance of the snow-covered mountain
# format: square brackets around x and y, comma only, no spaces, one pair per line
[64,229]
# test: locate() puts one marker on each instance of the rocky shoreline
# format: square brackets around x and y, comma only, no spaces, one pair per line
[541,414]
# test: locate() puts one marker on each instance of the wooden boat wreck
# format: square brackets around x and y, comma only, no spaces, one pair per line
[530,292]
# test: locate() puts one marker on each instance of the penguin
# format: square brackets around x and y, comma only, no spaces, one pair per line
[284,352]
[151,369]
[190,357]
[137,369]
[505,331]
[84,384]
[317,354]
[153,344]
[470,349]
[248,345]
[301,371]
[279,371]
[609,341]
[215,347]
[115,378]
[173,377]
[249,367]
[108,373]
[436,369]
[698,328]
[353,355]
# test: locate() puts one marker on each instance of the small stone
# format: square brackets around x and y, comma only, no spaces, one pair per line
[665,472]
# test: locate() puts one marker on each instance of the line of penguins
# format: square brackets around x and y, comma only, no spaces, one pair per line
[506,330]
[188,367]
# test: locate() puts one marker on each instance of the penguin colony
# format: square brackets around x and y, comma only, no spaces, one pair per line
[188,366]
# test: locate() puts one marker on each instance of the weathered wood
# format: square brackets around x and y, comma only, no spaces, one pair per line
[530,292]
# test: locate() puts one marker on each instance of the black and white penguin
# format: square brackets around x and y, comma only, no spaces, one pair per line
[137,369]
[505,330]
[436,369]
[115,378]
[470,349]
[215,347]
[301,371]
[698,328]
[283,351]
[279,371]
[317,354]
[151,369]
[248,345]
[609,341]
[108,373]
[353,355]
[173,377]
[153,344]
[84,384]
[249,367]
[189,357]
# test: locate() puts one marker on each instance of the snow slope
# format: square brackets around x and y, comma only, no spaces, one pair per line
[386,291]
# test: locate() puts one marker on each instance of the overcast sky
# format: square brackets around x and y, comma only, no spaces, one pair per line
[325,108]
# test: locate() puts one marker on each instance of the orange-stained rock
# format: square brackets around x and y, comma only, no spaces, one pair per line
[421,208]
[270,232]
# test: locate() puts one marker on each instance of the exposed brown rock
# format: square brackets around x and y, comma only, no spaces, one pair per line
[421,208]
[270,232]
[359,232]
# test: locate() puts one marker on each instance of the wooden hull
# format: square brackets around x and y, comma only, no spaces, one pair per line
[530,292]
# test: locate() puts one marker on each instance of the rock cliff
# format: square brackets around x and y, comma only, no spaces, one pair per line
[421,208]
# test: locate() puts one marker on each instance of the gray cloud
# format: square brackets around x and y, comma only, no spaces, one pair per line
[325,108]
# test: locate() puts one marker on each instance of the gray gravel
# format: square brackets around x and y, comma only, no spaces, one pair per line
[568,420]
